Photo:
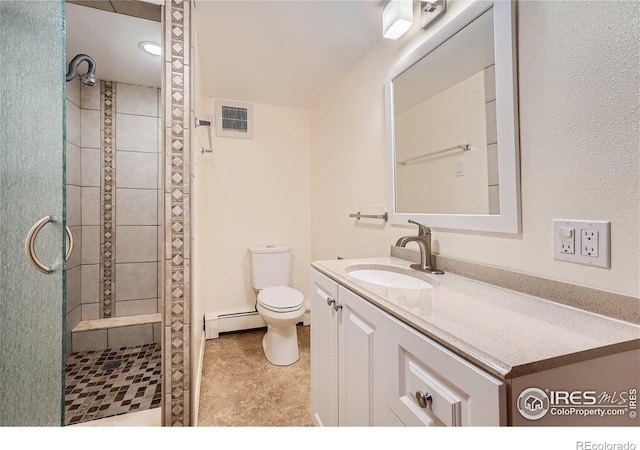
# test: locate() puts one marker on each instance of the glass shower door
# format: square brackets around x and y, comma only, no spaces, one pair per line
[32,86]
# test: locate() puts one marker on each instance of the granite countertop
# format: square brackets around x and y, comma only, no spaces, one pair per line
[505,332]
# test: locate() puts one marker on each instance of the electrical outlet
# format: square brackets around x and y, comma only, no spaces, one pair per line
[459,169]
[567,240]
[591,236]
[589,242]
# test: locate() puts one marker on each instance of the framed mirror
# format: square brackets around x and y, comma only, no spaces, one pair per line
[452,125]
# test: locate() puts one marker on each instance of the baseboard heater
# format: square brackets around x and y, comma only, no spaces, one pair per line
[214,324]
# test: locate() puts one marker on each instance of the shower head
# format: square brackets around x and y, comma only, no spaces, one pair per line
[88,78]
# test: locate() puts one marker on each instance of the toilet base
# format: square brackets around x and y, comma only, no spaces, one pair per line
[280,345]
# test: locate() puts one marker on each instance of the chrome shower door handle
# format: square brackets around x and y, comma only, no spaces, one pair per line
[30,245]
[70,243]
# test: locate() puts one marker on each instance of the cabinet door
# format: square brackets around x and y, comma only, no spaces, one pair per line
[324,351]
[459,393]
[361,328]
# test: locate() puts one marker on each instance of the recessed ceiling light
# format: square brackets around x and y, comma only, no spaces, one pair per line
[150,47]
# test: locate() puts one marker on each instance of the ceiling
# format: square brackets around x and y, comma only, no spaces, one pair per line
[281,52]
[112,39]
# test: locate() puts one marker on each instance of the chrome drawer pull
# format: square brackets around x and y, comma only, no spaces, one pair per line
[330,301]
[424,399]
[337,307]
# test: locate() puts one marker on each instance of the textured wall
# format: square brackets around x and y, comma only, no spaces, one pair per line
[252,192]
[578,82]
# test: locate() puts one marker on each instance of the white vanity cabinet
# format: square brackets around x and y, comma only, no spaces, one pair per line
[347,335]
[369,369]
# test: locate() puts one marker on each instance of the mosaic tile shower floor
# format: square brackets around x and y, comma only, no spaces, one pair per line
[111,382]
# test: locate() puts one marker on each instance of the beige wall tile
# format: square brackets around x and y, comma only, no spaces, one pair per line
[73,91]
[73,318]
[91,245]
[127,336]
[492,164]
[90,311]
[139,100]
[90,162]
[160,172]
[490,83]
[89,340]
[136,133]
[90,283]
[90,97]
[136,207]
[73,123]
[157,332]
[135,307]
[492,128]
[136,281]
[90,128]
[73,288]
[160,135]
[74,206]
[137,170]
[136,244]
[494,200]
[73,164]
[90,206]
[160,211]
[75,259]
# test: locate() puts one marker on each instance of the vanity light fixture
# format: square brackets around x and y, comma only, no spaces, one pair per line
[150,47]
[431,10]
[397,18]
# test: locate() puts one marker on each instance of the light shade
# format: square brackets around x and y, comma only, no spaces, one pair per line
[150,47]
[397,18]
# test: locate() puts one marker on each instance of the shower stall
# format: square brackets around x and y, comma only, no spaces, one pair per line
[114,204]
[82,172]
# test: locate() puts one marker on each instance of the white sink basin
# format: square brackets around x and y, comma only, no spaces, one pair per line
[389,278]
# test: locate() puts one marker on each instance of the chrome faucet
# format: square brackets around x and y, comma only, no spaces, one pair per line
[423,239]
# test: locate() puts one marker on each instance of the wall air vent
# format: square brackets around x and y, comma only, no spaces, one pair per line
[234,119]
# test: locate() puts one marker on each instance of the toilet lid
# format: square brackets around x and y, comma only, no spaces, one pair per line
[280,298]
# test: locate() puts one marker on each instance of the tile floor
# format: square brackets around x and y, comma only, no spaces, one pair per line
[241,388]
[108,383]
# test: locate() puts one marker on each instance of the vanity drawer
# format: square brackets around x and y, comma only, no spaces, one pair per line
[454,391]
[428,399]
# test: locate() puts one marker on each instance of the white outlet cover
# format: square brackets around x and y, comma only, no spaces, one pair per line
[604,242]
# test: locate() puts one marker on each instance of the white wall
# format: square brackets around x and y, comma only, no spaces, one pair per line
[251,192]
[197,303]
[579,140]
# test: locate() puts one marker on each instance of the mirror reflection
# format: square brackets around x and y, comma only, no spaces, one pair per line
[446,158]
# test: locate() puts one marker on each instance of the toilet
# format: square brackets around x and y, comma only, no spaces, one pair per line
[280,306]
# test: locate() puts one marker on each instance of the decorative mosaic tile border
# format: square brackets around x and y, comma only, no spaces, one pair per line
[107,199]
[177,143]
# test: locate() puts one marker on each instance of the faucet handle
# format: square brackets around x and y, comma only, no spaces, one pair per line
[423,230]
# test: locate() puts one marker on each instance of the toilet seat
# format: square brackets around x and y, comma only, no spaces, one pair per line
[281,299]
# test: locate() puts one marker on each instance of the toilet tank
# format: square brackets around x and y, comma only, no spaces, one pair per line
[270,266]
